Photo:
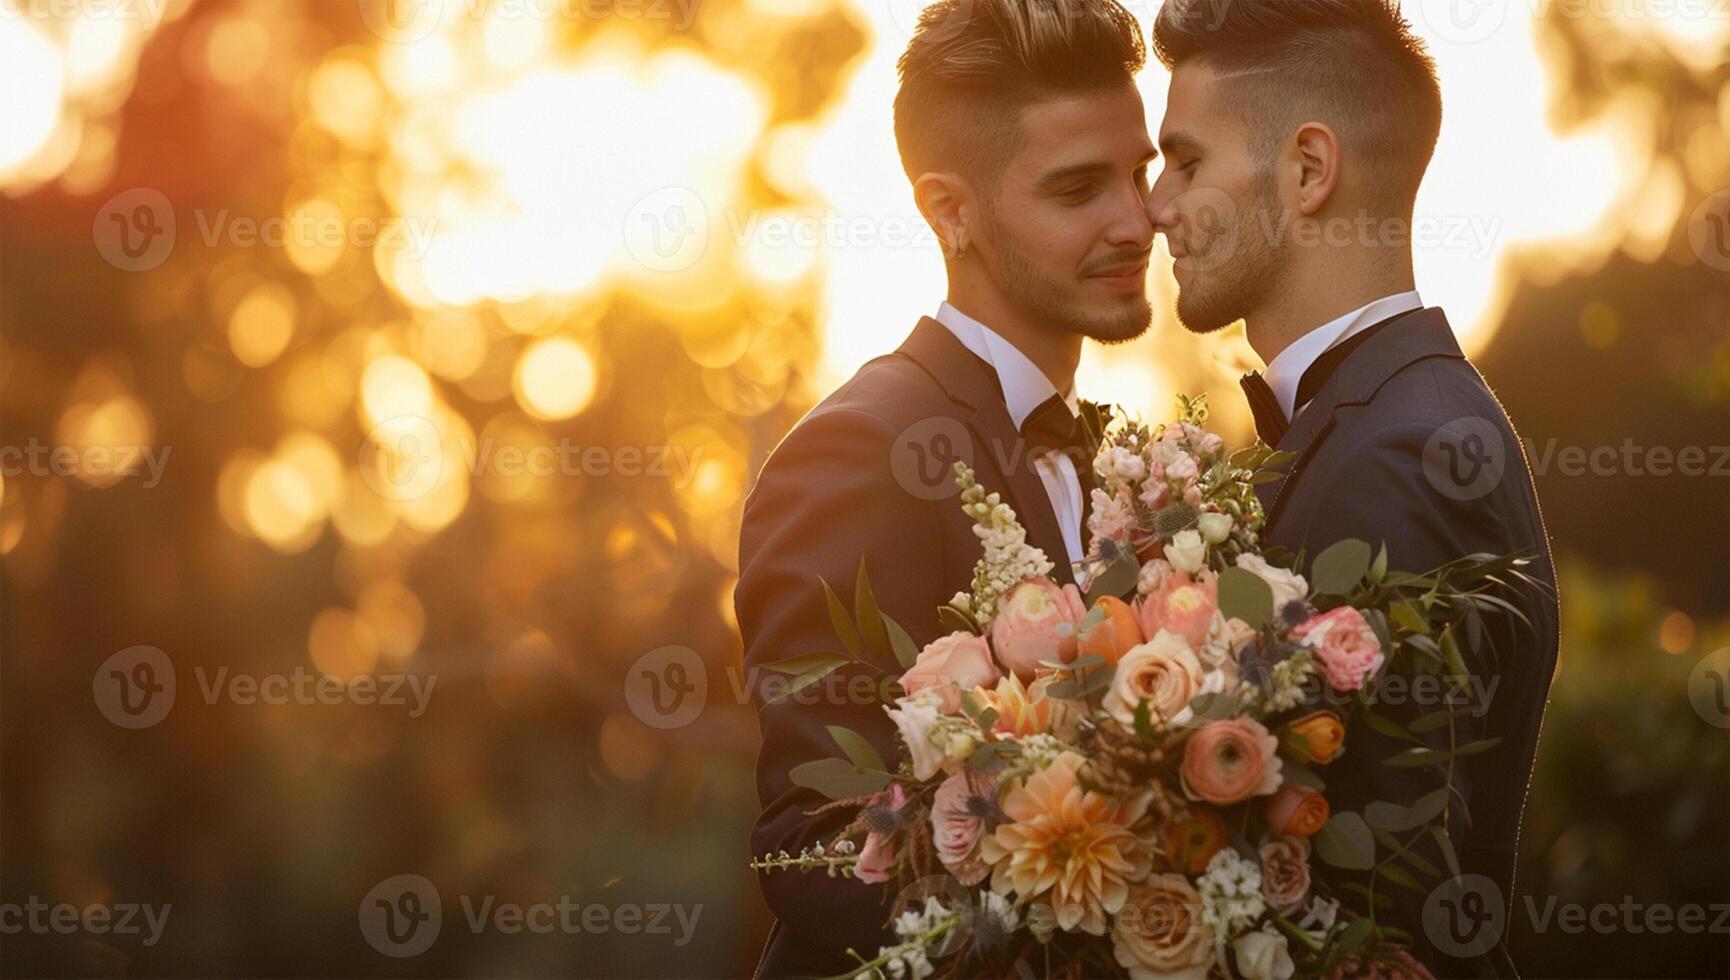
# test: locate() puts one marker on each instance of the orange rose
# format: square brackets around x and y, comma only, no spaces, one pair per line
[1188,844]
[1316,737]
[1296,811]
[1112,636]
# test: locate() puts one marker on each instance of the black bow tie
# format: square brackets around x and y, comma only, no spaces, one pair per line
[1270,420]
[1052,427]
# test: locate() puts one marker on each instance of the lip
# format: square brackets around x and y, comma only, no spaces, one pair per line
[1124,277]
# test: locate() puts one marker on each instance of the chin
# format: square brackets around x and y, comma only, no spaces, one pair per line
[1115,323]
[1200,315]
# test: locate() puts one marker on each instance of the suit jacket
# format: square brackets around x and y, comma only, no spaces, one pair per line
[1405,445]
[866,474]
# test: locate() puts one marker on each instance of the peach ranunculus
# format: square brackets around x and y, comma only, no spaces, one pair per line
[1316,737]
[1164,672]
[950,665]
[1071,846]
[1285,873]
[1231,760]
[1297,811]
[1160,933]
[958,823]
[1113,636]
[1024,709]
[1036,622]
[1345,644]
[1183,605]
[1186,845]
[877,857]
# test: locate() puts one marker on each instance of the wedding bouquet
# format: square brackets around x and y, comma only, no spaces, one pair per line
[1130,780]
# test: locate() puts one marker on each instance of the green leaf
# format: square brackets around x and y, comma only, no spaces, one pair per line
[839,619]
[837,778]
[1379,900]
[1419,863]
[1345,842]
[1432,721]
[810,675]
[1299,774]
[1116,579]
[1143,720]
[1473,748]
[857,748]
[1339,569]
[1399,876]
[1379,567]
[1446,846]
[906,651]
[871,629]
[805,662]
[1395,818]
[1407,617]
[1243,595]
[1387,726]
[955,620]
[1355,933]
[1416,757]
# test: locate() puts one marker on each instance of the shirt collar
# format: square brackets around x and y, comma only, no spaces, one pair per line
[1024,385]
[1287,368]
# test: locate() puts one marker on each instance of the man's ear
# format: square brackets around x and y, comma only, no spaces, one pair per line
[1318,166]
[946,202]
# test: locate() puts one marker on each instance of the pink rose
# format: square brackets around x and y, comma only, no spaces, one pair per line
[951,664]
[1345,644]
[1182,606]
[1285,874]
[1035,622]
[1113,517]
[877,857]
[957,823]
[1230,761]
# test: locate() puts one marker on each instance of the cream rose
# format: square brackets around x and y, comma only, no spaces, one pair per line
[914,717]
[1262,955]
[1164,672]
[1160,933]
[1214,527]
[1187,552]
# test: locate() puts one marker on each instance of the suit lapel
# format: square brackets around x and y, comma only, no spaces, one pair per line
[1421,334]
[1000,456]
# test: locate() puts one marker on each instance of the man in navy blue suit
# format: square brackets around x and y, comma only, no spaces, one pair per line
[1296,134]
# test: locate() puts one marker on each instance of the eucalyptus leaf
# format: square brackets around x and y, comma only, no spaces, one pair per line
[906,651]
[1339,569]
[859,751]
[1345,842]
[837,778]
[839,619]
[1243,595]
[872,634]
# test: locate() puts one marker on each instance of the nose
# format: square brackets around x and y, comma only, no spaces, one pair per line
[1133,229]
[1160,206]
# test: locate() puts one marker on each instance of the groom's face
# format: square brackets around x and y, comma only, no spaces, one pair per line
[1215,201]
[1067,236]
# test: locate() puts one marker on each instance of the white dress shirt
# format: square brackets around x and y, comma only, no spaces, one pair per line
[1025,387]
[1288,366]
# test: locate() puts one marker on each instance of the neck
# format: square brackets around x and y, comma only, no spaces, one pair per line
[1055,351]
[1315,294]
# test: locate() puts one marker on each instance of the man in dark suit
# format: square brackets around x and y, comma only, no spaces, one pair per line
[1296,134]
[1020,126]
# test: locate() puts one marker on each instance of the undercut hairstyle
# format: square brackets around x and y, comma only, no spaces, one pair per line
[973,65]
[1352,64]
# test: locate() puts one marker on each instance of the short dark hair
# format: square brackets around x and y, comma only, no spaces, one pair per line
[972,65]
[1353,64]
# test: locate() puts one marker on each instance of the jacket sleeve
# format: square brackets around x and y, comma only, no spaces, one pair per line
[827,498]
[1386,497]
